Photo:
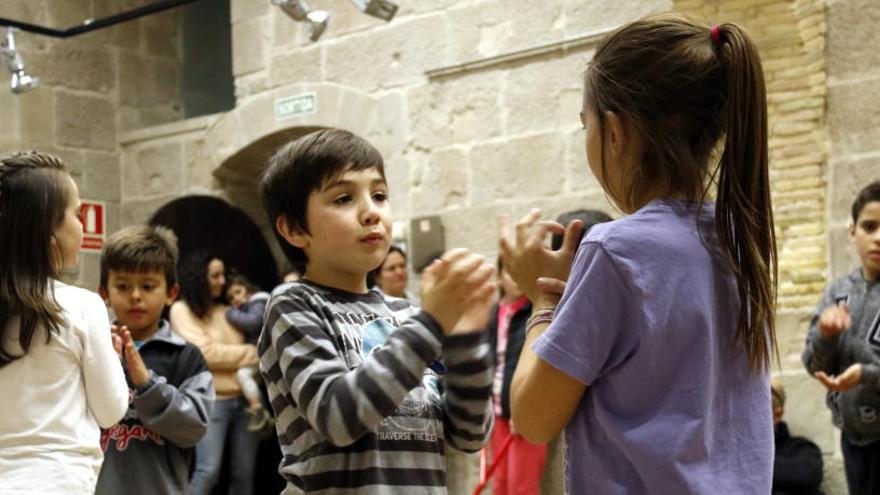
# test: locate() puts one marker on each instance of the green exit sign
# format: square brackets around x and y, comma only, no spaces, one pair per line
[296,106]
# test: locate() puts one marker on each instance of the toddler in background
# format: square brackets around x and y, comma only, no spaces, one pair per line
[245,313]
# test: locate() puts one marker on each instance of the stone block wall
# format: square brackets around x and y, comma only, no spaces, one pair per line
[94,87]
[853,117]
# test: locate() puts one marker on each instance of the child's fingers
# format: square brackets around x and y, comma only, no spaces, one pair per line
[464,267]
[479,275]
[572,236]
[525,224]
[453,255]
[117,343]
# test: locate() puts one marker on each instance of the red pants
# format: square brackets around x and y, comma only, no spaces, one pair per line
[519,472]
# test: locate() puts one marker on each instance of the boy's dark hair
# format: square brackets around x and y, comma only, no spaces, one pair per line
[141,248]
[589,217]
[869,193]
[300,167]
[34,194]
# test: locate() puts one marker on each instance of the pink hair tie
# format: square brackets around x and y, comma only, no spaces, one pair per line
[716,34]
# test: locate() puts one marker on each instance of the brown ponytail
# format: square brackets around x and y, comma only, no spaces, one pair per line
[684,89]
[744,215]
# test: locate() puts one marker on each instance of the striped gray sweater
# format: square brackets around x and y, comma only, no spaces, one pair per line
[362,401]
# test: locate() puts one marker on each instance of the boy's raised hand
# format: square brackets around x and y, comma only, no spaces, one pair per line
[842,382]
[834,320]
[457,290]
[116,339]
[137,370]
[527,257]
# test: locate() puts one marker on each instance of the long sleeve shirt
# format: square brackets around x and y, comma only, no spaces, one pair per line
[221,344]
[150,450]
[56,397]
[352,380]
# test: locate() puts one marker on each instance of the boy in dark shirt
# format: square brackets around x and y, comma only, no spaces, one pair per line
[172,393]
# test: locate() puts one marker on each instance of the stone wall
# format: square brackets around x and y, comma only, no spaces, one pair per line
[853,117]
[94,86]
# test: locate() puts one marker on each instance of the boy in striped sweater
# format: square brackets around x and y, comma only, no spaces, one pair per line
[355,377]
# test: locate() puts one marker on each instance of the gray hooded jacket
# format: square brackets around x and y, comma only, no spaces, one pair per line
[856,411]
[150,450]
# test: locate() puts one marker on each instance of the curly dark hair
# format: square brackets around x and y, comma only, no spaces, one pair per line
[193,275]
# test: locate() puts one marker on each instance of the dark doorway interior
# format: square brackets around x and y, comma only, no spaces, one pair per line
[206,222]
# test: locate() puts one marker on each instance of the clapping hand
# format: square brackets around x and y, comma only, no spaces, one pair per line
[134,364]
[539,271]
[457,290]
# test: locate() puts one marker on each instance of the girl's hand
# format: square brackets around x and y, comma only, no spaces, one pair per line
[457,290]
[527,257]
[842,382]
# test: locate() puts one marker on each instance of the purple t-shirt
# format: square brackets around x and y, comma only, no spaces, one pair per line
[648,322]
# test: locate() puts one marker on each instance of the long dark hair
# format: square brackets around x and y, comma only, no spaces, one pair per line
[193,274]
[685,88]
[34,192]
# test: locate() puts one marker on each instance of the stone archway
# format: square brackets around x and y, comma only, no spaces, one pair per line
[240,140]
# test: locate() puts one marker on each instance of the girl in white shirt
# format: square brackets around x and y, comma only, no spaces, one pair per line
[60,379]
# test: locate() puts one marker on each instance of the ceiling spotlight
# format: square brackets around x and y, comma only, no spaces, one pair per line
[20,82]
[299,10]
[383,9]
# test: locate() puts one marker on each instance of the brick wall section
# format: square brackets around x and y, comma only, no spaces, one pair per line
[790,36]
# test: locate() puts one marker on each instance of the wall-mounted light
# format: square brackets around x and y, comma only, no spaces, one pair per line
[20,81]
[299,10]
[383,9]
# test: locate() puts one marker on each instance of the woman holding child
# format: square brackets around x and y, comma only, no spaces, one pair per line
[200,317]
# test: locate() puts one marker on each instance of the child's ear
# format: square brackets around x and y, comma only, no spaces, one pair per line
[173,292]
[852,231]
[618,133]
[294,236]
[102,291]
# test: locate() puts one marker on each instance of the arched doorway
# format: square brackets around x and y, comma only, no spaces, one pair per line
[207,222]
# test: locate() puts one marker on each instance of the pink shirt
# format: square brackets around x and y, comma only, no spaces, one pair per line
[505,314]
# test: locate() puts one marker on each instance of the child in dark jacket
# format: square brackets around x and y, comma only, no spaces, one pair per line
[172,393]
[797,463]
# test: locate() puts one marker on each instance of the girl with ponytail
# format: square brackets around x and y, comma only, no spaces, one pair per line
[655,359]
